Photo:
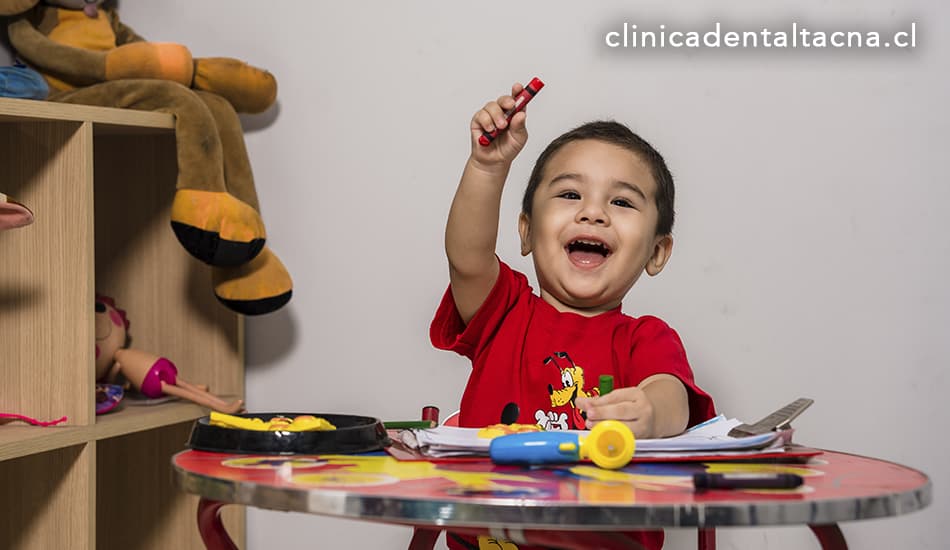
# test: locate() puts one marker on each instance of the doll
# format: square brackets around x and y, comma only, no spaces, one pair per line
[152,375]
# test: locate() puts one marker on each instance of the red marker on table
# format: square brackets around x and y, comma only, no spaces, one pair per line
[521,100]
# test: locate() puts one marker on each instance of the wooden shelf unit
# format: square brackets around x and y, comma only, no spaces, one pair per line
[100,182]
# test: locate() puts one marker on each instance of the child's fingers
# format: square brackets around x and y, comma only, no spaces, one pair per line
[496,111]
[618,395]
[518,121]
[497,114]
[629,406]
[508,101]
[583,403]
[493,117]
[504,103]
[484,119]
[611,411]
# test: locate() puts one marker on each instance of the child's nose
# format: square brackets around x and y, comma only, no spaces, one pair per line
[591,212]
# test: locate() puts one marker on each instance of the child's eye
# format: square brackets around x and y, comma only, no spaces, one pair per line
[622,203]
[570,195]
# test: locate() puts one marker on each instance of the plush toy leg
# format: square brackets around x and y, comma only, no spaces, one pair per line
[263,285]
[203,398]
[238,176]
[247,88]
[257,287]
[211,224]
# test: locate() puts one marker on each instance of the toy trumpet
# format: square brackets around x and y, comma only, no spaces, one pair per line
[610,444]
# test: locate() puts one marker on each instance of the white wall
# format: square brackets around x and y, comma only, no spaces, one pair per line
[811,252]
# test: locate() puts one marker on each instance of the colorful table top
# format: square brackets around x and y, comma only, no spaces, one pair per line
[838,487]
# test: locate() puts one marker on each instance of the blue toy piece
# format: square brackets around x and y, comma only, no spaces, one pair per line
[609,445]
[22,82]
[108,397]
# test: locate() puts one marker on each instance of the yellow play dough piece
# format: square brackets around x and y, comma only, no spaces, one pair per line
[495,430]
[307,423]
[302,423]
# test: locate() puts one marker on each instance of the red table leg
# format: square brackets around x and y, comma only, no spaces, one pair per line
[209,525]
[424,539]
[829,536]
[707,539]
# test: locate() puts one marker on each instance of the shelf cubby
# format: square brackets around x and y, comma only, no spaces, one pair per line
[100,182]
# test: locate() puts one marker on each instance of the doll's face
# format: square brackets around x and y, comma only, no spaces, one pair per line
[111,335]
[89,7]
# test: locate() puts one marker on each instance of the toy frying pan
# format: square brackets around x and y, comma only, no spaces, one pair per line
[353,434]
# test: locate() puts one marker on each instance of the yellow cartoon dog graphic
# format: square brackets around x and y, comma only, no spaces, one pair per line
[572,386]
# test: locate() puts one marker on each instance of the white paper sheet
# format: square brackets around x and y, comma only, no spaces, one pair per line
[708,437]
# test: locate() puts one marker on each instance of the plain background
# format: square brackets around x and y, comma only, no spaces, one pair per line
[811,253]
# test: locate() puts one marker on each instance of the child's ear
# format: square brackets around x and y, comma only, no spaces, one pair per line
[662,249]
[524,229]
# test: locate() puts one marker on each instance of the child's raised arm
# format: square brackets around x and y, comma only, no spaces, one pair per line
[472,227]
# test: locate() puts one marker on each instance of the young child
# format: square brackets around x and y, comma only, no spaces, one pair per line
[596,214]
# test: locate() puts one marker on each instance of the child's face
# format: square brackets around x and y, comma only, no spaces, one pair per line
[592,228]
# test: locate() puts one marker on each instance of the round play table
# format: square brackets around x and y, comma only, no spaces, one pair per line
[570,506]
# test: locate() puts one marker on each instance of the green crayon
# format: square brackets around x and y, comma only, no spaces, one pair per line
[606,384]
[409,424]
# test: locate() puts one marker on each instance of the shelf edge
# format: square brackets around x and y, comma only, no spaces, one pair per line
[15,110]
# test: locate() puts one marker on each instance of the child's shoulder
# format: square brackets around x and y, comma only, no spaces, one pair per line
[649,334]
[645,325]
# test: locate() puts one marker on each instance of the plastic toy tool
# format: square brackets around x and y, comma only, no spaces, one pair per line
[609,445]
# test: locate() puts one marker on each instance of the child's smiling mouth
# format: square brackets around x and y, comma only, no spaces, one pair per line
[587,252]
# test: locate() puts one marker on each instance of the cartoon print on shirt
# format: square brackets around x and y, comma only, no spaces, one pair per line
[572,386]
[551,420]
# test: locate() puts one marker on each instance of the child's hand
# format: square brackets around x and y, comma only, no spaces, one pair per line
[628,405]
[508,143]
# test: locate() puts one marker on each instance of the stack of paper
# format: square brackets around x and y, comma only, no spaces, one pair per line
[710,437]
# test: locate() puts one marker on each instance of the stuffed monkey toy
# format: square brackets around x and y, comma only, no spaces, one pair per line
[88,56]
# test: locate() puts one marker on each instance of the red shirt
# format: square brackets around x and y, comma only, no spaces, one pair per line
[526,352]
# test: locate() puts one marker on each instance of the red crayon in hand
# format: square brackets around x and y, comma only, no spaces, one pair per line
[521,100]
